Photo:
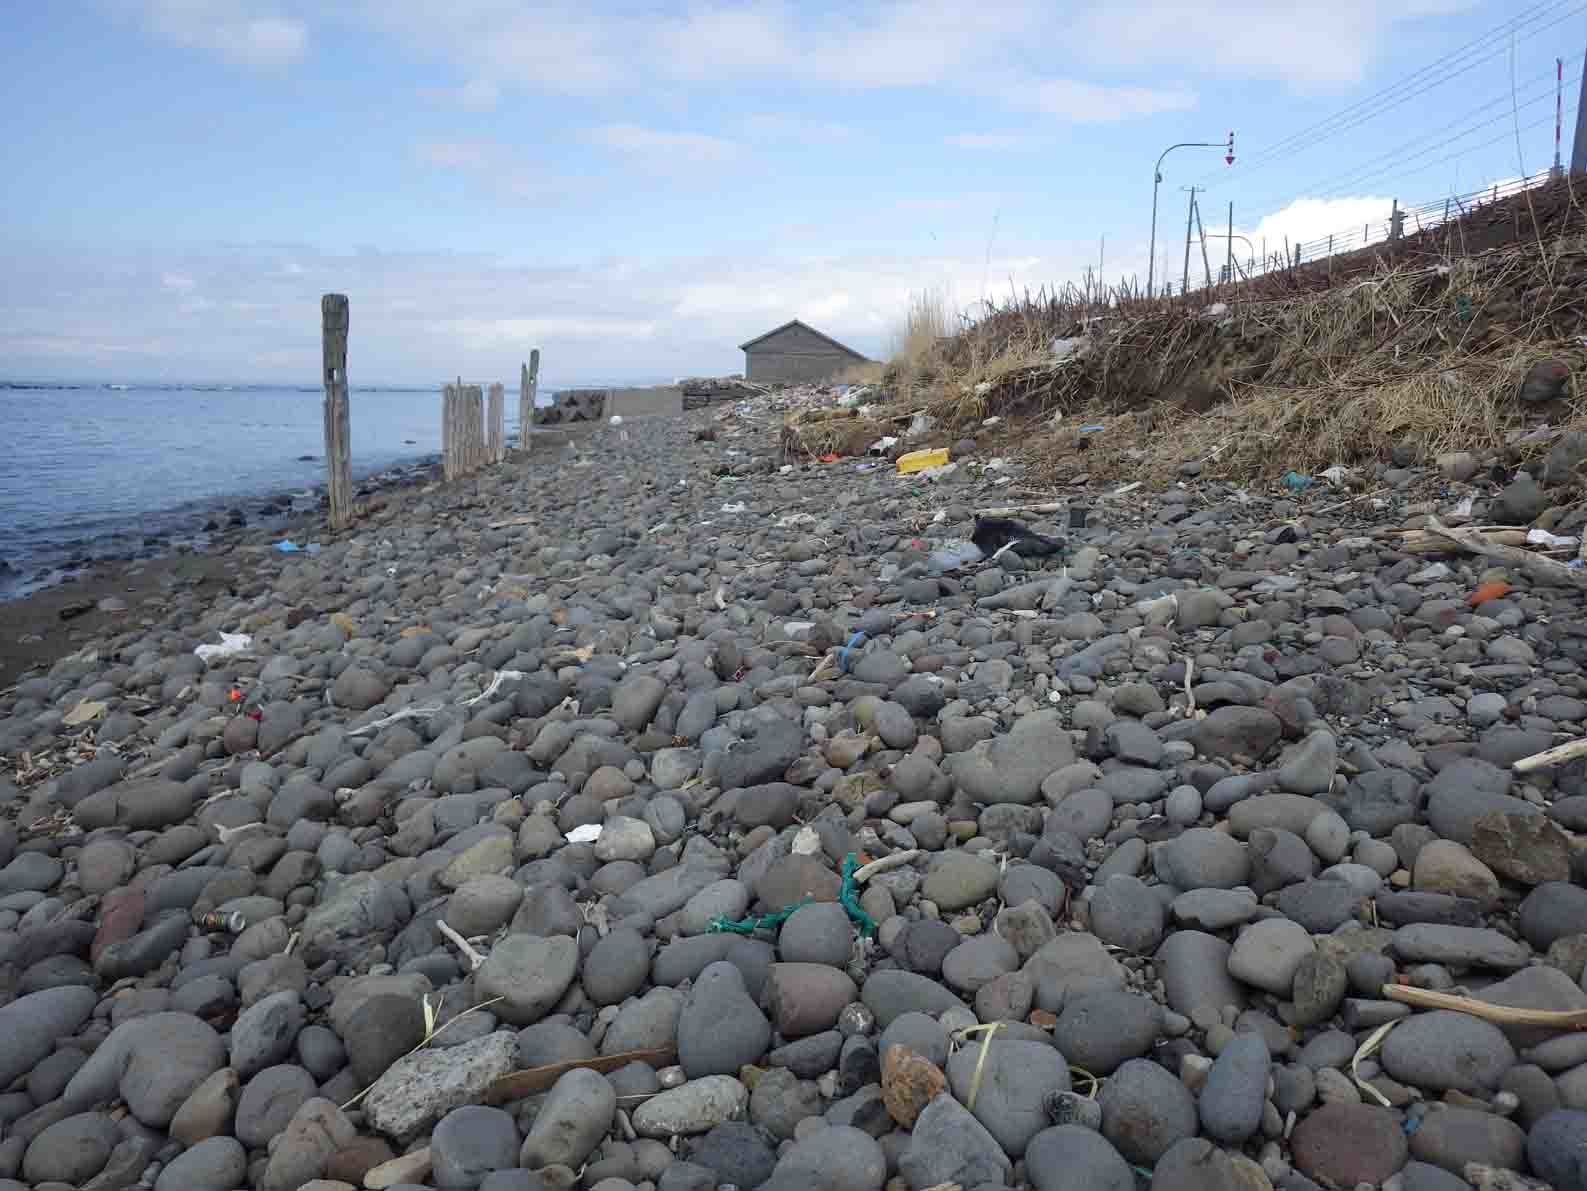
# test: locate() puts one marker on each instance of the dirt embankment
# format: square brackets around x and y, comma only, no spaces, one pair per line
[1416,353]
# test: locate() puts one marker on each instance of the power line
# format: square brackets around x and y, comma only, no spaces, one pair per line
[1417,83]
[1399,166]
[1414,147]
[1373,105]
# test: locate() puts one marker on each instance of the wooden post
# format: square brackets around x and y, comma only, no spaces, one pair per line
[496,425]
[528,382]
[338,438]
[475,401]
[450,405]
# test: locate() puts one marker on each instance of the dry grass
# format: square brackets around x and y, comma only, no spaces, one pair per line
[1428,356]
[1266,431]
[868,373]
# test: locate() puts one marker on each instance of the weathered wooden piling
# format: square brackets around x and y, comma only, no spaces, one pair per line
[496,425]
[528,382]
[463,447]
[338,436]
[474,403]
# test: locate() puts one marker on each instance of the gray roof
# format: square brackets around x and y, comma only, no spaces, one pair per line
[794,322]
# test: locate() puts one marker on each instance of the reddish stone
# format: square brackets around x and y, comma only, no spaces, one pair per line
[357,1158]
[909,1081]
[1340,1145]
[120,917]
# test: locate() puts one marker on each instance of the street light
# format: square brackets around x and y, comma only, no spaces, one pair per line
[1157,178]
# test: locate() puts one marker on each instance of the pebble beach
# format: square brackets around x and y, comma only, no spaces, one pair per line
[678,775]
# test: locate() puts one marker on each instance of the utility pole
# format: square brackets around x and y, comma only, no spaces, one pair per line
[1201,232]
[1230,265]
[1578,150]
[1190,219]
[1157,178]
[1559,114]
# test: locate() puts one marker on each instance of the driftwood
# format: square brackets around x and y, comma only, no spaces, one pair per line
[1055,506]
[1502,1015]
[1475,541]
[338,419]
[1428,541]
[537,1079]
[1557,755]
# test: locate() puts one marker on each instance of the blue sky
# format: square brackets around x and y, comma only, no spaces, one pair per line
[638,187]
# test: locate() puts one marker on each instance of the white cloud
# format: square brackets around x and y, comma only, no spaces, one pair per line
[476,95]
[458,155]
[419,316]
[771,127]
[994,141]
[238,30]
[1087,103]
[562,47]
[1309,44]
[497,171]
[660,147]
[1134,53]
[1307,220]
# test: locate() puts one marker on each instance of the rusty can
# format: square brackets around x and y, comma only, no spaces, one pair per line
[234,922]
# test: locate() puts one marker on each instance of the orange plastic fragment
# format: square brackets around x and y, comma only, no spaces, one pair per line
[1489,591]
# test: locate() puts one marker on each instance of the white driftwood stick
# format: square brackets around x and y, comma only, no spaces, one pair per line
[474,958]
[1012,510]
[501,677]
[1535,565]
[407,713]
[896,860]
[1557,755]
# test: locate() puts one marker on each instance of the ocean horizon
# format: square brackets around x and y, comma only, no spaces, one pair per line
[103,470]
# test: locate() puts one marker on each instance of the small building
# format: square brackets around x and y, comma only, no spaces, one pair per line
[796,354]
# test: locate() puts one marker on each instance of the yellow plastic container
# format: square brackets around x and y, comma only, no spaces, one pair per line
[920,460]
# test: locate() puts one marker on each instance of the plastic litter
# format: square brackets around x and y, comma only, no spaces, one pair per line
[883,444]
[615,420]
[86,710]
[921,460]
[1337,474]
[952,555]
[848,898]
[1093,428]
[585,833]
[287,546]
[231,644]
[1542,537]
[994,535]
[737,506]
[920,424]
[854,642]
[1064,349]
[1296,482]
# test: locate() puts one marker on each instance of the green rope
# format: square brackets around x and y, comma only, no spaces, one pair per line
[848,898]
[748,926]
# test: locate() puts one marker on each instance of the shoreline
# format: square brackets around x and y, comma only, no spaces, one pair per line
[50,621]
[195,527]
[33,632]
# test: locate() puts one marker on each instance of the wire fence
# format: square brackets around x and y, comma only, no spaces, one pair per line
[1254,260]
